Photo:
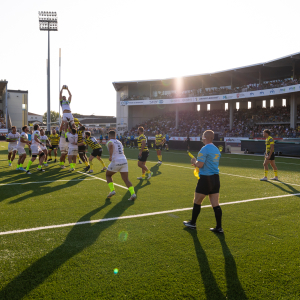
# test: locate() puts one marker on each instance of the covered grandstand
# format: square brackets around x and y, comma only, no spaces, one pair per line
[252,90]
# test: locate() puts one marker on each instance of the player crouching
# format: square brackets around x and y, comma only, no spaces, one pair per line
[118,164]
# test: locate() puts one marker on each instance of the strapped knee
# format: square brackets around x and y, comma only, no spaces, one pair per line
[42,154]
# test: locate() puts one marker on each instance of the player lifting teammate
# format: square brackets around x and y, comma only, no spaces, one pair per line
[72,137]
[269,156]
[63,145]
[45,141]
[143,154]
[159,141]
[118,164]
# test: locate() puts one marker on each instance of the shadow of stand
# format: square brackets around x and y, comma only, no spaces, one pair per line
[79,238]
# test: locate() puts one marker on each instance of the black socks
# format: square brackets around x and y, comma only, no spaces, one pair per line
[218,215]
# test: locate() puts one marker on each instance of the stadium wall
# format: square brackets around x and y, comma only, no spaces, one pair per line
[17,106]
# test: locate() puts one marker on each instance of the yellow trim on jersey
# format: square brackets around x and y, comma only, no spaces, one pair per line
[139,141]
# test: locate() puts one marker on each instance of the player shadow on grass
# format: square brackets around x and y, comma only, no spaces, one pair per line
[39,189]
[290,191]
[212,290]
[78,239]
[234,287]
[140,185]
[155,170]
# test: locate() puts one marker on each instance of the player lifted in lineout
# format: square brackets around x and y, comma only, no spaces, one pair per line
[65,106]
[12,139]
[118,164]
[23,141]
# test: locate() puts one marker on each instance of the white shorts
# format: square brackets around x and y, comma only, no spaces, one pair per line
[63,147]
[73,151]
[118,166]
[21,151]
[43,148]
[12,148]
[69,116]
[35,149]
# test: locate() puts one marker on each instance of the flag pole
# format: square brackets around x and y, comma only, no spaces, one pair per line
[59,83]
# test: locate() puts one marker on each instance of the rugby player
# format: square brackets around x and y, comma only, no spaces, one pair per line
[23,140]
[97,151]
[63,146]
[12,139]
[36,149]
[118,164]
[82,148]
[54,141]
[159,141]
[73,147]
[209,183]
[143,154]
[269,156]
[65,105]
[45,141]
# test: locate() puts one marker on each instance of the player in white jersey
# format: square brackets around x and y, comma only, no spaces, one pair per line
[63,145]
[73,147]
[65,106]
[118,164]
[23,141]
[36,149]
[45,141]
[12,139]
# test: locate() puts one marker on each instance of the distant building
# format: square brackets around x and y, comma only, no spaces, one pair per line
[96,121]
[33,118]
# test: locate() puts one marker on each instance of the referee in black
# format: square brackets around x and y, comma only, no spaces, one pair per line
[209,183]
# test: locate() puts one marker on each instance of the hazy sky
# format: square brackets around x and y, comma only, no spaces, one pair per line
[112,40]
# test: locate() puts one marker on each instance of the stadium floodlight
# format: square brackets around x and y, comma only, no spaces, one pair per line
[48,22]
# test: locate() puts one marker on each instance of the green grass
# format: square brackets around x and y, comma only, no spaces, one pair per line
[156,256]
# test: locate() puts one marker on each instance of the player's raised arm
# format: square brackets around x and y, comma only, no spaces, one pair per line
[60,95]
[70,95]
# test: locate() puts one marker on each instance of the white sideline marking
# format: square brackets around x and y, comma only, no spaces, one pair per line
[14,183]
[124,187]
[137,216]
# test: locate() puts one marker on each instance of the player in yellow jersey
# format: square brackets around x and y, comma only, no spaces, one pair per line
[159,141]
[54,141]
[143,154]
[269,156]
[82,149]
[97,151]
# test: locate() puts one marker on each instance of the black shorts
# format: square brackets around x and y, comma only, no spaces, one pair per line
[144,156]
[53,147]
[272,156]
[208,184]
[97,152]
[158,147]
[82,149]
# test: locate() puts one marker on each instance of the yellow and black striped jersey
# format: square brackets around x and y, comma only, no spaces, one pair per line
[158,139]
[80,135]
[92,142]
[140,139]
[269,142]
[54,139]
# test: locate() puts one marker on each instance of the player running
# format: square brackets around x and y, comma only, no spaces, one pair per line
[269,156]
[143,154]
[97,151]
[12,139]
[54,141]
[36,149]
[23,141]
[118,164]
[159,141]
[45,141]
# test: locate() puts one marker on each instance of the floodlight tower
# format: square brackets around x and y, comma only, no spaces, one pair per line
[48,22]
